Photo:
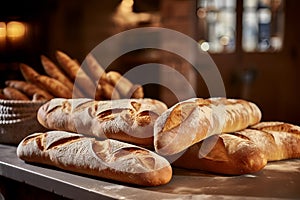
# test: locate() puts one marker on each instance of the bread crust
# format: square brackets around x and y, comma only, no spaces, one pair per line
[244,151]
[193,120]
[129,120]
[29,89]
[53,71]
[14,94]
[28,73]
[124,86]
[223,154]
[277,140]
[109,159]
[82,81]
[55,87]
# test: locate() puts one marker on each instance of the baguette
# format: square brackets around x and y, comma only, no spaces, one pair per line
[93,68]
[107,91]
[29,89]
[223,154]
[2,96]
[277,140]
[28,73]
[53,71]
[124,86]
[55,87]
[72,68]
[129,120]
[109,159]
[193,120]
[14,94]
[244,151]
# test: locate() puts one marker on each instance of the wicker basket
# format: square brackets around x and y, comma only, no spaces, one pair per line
[18,119]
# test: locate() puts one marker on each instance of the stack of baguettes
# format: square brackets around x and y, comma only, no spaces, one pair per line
[68,79]
[217,135]
[223,136]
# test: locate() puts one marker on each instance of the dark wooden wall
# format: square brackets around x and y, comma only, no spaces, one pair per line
[76,27]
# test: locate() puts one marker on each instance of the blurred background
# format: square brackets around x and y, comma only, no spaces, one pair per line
[254,43]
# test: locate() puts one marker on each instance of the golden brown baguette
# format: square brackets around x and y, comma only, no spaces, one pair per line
[109,159]
[123,85]
[53,71]
[73,69]
[223,154]
[106,91]
[2,96]
[93,68]
[244,151]
[14,94]
[29,89]
[277,140]
[28,73]
[55,87]
[129,120]
[193,120]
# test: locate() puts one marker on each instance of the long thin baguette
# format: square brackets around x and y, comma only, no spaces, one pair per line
[55,87]
[73,69]
[123,85]
[93,68]
[14,94]
[129,120]
[2,96]
[28,73]
[29,89]
[109,159]
[69,65]
[223,154]
[107,91]
[193,120]
[244,151]
[277,140]
[53,71]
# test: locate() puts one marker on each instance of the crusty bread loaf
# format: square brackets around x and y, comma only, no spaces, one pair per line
[244,151]
[129,120]
[223,154]
[193,120]
[277,140]
[108,159]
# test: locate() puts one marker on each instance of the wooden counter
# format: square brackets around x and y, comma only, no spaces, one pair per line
[278,180]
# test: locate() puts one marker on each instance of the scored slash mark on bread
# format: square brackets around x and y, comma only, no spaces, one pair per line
[244,151]
[193,120]
[109,159]
[129,120]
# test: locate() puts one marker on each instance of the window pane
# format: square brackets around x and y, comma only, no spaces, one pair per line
[263,22]
[217,25]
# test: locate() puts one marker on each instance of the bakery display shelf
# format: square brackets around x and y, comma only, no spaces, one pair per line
[278,180]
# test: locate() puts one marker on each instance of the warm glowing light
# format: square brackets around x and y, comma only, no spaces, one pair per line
[204,46]
[224,40]
[2,29]
[124,14]
[15,29]
[127,3]
[201,13]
